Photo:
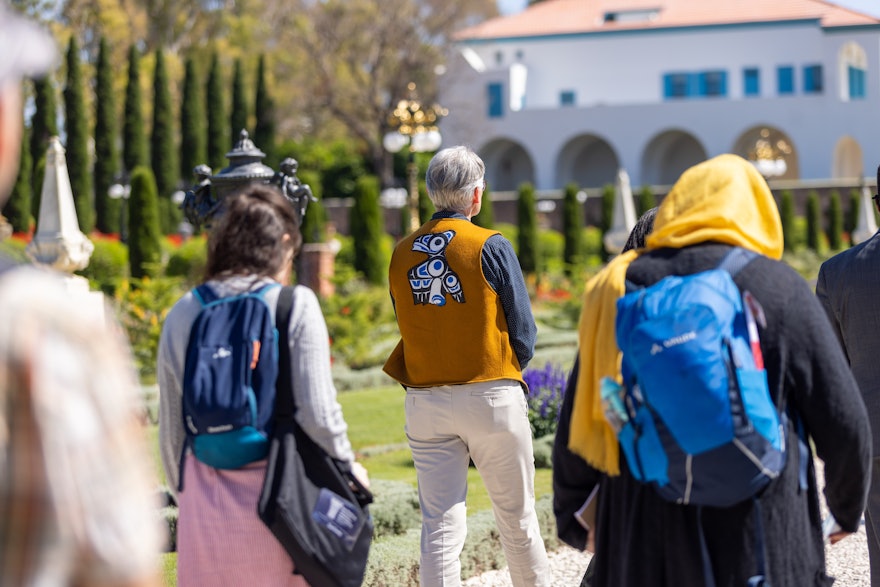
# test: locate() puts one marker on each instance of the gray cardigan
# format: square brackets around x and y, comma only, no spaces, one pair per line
[318,412]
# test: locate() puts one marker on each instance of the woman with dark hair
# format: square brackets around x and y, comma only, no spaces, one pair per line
[220,538]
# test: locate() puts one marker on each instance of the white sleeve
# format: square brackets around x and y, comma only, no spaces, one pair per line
[318,411]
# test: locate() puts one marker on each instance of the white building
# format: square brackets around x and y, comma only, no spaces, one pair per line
[573,90]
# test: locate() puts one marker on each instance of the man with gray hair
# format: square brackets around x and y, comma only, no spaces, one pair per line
[467,332]
[77,495]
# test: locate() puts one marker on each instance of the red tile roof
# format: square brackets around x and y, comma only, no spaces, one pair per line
[557,17]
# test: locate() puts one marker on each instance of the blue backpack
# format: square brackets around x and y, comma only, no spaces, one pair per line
[695,416]
[229,378]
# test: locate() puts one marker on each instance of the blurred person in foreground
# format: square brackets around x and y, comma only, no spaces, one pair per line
[77,498]
[221,539]
[467,332]
[642,540]
[847,287]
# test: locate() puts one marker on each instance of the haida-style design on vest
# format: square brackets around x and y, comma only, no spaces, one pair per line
[432,279]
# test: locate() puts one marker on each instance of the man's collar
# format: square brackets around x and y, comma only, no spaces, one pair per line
[448,214]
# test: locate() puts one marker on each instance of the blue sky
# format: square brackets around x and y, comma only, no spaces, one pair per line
[871,7]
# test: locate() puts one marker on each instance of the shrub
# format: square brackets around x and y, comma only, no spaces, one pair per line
[142,305]
[543,449]
[189,261]
[360,321]
[107,265]
[144,240]
[546,390]
[835,222]
[367,232]
[395,509]
[527,236]
[814,221]
[572,228]
[550,248]
[787,216]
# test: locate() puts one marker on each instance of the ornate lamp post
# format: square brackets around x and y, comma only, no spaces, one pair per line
[205,199]
[416,128]
[768,154]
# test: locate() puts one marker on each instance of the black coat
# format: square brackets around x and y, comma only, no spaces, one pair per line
[644,541]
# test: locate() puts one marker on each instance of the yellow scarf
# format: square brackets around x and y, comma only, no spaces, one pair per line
[723,200]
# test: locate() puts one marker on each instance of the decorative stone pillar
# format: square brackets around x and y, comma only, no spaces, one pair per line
[316,267]
[58,242]
[624,218]
[866,225]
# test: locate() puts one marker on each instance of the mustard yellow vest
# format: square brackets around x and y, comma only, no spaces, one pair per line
[452,326]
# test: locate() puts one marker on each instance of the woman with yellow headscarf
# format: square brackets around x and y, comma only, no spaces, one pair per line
[643,541]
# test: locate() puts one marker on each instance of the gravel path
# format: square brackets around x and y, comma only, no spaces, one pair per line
[847,561]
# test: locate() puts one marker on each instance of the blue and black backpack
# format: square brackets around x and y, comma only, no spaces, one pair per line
[229,378]
[694,415]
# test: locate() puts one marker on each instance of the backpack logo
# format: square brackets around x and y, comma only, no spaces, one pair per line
[432,280]
[229,378]
[222,353]
[694,416]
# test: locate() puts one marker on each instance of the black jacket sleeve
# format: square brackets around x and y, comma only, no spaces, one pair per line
[573,478]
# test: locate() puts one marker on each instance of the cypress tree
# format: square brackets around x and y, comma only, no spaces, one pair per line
[853,216]
[162,148]
[486,217]
[786,216]
[646,200]
[144,235]
[264,132]
[193,137]
[18,208]
[814,221]
[426,206]
[218,137]
[77,155]
[106,151]
[527,235]
[44,124]
[366,230]
[238,117]
[572,229]
[314,226]
[835,222]
[134,142]
[608,196]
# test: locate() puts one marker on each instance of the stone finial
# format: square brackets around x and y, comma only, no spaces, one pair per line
[58,242]
[624,218]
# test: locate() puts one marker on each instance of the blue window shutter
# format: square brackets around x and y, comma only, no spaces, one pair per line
[785,78]
[696,83]
[723,83]
[496,100]
[751,85]
[667,85]
[813,79]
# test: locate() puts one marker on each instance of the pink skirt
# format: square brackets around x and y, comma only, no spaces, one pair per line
[220,539]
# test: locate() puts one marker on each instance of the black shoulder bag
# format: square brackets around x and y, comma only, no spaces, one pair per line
[311,502]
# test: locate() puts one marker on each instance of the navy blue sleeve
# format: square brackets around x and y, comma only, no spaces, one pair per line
[502,271]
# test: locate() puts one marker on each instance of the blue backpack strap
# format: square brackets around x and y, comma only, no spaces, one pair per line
[736,260]
[205,294]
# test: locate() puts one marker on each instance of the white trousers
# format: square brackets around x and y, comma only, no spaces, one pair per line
[487,422]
